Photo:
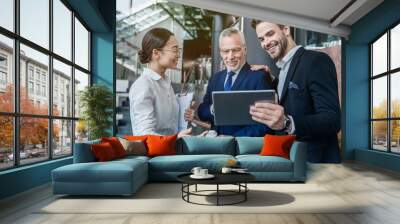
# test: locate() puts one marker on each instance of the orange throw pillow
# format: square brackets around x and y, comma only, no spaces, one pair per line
[136,137]
[277,145]
[116,145]
[161,145]
[103,152]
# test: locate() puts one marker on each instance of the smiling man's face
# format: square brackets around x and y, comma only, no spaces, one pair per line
[273,39]
[233,52]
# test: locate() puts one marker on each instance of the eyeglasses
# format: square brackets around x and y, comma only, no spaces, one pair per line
[234,51]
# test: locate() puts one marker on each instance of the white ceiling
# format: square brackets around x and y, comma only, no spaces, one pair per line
[316,15]
[324,9]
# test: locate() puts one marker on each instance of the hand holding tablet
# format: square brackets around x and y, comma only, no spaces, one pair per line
[232,107]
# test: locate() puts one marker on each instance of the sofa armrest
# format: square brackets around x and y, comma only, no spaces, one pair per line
[83,152]
[298,155]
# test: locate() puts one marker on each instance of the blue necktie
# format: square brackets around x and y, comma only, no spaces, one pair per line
[228,84]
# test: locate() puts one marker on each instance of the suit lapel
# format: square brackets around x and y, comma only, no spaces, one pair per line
[241,76]
[221,80]
[292,69]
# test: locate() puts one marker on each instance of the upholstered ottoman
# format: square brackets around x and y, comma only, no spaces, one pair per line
[88,177]
[118,177]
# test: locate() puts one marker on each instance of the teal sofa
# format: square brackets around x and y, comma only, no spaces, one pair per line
[125,176]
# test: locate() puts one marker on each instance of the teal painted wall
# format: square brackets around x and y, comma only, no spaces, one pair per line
[90,12]
[356,100]
[99,16]
[27,177]
[379,159]
[103,52]
[102,58]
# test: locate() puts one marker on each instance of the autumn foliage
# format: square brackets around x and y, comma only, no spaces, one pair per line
[380,127]
[33,130]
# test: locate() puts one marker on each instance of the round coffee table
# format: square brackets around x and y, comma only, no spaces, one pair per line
[238,179]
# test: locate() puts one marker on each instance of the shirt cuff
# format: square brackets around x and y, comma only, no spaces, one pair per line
[212,109]
[292,127]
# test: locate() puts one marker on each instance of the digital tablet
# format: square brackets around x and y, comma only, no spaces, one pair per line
[233,107]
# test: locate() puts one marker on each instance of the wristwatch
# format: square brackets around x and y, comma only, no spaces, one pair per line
[287,124]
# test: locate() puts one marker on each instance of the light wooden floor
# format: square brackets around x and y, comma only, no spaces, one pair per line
[377,188]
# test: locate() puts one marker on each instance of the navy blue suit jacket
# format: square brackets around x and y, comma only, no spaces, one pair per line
[310,96]
[246,80]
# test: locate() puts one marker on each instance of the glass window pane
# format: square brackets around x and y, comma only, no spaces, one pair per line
[395,95]
[62,29]
[6,74]
[35,21]
[81,131]
[81,45]
[379,55]
[379,135]
[6,142]
[395,47]
[7,14]
[379,97]
[81,81]
[62,138]
[34,74]
[123,5]
[395,136]
[62,89]
[33,139]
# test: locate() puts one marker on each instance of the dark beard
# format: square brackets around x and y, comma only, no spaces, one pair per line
[283,43]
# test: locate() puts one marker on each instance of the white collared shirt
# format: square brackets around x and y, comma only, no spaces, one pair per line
[284,65]
[234,76]
[154,107]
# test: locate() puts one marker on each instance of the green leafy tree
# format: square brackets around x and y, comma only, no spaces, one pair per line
[96,102]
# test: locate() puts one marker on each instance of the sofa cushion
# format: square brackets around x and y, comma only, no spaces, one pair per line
[116,145]
[277,145]
[103,152]
[257,163]
[185,163]
[161,145]
[193,145]
[136,137]
[131,158]
[249,145]
[135,147]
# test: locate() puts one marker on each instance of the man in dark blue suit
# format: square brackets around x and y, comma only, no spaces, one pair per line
[308,94]
[237,76]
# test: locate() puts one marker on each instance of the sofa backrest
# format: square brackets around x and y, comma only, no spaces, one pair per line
[190,145]
[249,145]
[193,145]
[83,153]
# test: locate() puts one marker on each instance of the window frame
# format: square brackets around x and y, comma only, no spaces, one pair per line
[3,71]
[388,74]
[16,114]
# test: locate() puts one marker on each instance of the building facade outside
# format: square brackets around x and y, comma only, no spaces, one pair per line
[34,82]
